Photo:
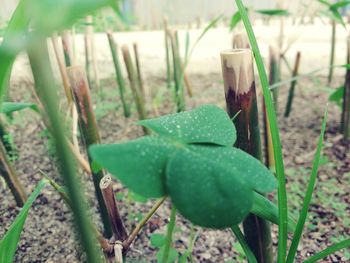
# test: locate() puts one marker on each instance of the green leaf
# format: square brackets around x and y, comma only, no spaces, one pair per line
[157,240]
[139,164]
[273,12]
[173,255]
[9,242]
[236,17]
[330,250]
[205,192]
[324,2]
[205,124]
[308,195]
[240,164]
[9,107]
[337,96]
[340,4]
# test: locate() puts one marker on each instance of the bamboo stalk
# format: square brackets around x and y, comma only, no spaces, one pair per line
[8,172]
[87,45]
[114,50]
[292,86]
[345,117]
[139,100]
[93,55]
[274,75]
[118,229]
[62,68]
[240,94]
[67,48]
[138,69]
[167,53]
[89,130]
[332,55]
[240,40]
[179,93]
[43,77]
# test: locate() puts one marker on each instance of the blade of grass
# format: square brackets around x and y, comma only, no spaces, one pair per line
[310,188]
[282,194]
[169,235]
[240,237]
[329,250]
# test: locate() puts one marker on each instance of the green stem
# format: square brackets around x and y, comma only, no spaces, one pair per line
[43,77]
[345,117]
[332,56]
[330,250]
[239,235]
[167,54]
[169,235]
[292,87]
[282,193]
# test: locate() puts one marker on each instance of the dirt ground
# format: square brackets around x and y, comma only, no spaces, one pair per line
[48,236]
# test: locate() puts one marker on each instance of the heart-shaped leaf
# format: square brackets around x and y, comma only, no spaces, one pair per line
[205,124]
[240,164]
[139,164]
[205,192]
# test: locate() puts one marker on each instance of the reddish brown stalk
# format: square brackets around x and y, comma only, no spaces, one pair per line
[238,74]
[138,68]
[118,228]
[89,130]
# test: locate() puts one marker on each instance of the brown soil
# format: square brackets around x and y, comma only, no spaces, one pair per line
[48,236]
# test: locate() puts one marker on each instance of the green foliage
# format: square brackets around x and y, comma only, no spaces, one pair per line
[273,12]
[333,9]
[9,107]
[235,19]
[193,161]
[240,237]
[337,96]
[9,242]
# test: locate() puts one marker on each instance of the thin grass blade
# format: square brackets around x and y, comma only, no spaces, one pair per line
[240,237]
[330,250]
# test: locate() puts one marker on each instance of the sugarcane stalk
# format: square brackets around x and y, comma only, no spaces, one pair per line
[62,69]
[138,69]
[292,86]
[178,80]
[8,172]
[67,48]
[114,50]
[240,94]
[139,100]
[118,229]
[332,55]
[44,84]
[89,130]
[345,117]
[167,53]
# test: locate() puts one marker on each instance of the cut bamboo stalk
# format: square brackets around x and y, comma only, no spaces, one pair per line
[240,40]
[167,53]
[67,48]
[119,75]
[9,174]
[89,130]
[345,118]
[62,68]
[178,80]
[240,94]
[87,47]
[138,68]
[140,104]
[332,55]
[94,56]
[292,86]
[118,228]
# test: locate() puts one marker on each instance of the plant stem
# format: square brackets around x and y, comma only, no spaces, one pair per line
[67,48]
[167,54]
[345,117]
[282,192]
[89,130]
[87,44]
[292,86]
[43,77]
[332,55]
[118,228]
[137,229]
[8,172]
[139,100]
[169,235]
[238,74]
[118,72]
[138,68]
[239,235]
